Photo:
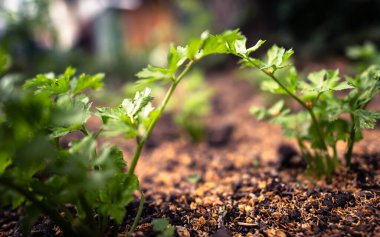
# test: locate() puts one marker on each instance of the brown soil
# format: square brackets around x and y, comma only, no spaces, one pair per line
[250,180]
[246,179]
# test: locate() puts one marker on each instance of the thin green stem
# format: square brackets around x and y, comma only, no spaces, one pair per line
[141,142]
[161,109]
[90,213]
[310,110]
[56,143]
[351,142]
[96,135]
[84,130]
[138,215]
[59,220]
[336,161]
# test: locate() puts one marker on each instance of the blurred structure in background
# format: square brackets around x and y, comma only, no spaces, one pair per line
[120,36]
[315,28]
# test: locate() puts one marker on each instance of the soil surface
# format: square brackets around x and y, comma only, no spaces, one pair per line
[245,179]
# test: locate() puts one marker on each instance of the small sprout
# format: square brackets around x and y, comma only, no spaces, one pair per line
[256,163]
[320,126]
[194,178]
[162,228]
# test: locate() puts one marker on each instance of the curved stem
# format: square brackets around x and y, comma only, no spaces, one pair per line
[351,142]
[311,112]
[138,215]
[161,109]
[141,142]
[84,130]
[90,213]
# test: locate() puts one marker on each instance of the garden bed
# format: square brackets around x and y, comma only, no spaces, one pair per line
[253,182]
[244,180]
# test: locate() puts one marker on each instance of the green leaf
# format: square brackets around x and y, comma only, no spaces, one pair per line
[365,119]
[130,117]
[176,57]
[343,86]
[276,108]
[193,48]
[60,132]
[272,87]
[291,80]
[107,114]
[364,52]
[134,106]
[278,57]
[116,127]
[293,125]
[110,158]
[5,61]
[194,178]
[5,161]
[214,45]
[46,83]
[255,47]
[29,217]
[152,74]
[70,115]
[169,232]
[159,225]
[240,46]
[325,80]
[337,130]
[163,228]
[231,37]
[260,113]
[88,81]
[86,146]
[367,86]
[314,137]
[117,194]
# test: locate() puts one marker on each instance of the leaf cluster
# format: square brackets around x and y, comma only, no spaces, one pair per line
[191,105]
[162,228]
[84,185]
[322,122]
[85,181]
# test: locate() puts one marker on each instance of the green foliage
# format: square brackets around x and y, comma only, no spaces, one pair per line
[131,118]
[367,51]
[44,177]
[36,171]
[363,55]
[321,124]
[192,105]
[82,186]
[194,178]
[4,61]
[162,228]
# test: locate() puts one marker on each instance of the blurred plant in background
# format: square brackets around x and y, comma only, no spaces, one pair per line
[363,55]
[25,32]
[192,105]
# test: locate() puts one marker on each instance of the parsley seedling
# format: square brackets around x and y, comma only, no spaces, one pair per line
[321,124]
